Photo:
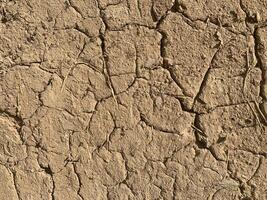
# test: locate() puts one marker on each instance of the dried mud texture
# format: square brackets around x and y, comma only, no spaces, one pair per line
[133,100]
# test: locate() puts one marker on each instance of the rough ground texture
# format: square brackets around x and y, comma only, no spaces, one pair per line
[133,100]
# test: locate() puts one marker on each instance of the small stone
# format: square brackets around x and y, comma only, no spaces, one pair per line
[258,17]
[218,152]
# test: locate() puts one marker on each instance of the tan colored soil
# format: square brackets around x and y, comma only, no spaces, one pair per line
[133,100]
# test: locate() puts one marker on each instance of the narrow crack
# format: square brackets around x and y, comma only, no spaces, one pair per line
[53,188]
[201,137]
[79,180]
[13,173]
[174,189]
[128,170]
[71,4]
[102,36]
[259,49]
[254,174]
[48,170]
[139,7]
[257,170]
[156,127]
[18,121]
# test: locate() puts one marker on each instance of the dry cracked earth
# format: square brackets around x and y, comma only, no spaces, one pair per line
[133,100]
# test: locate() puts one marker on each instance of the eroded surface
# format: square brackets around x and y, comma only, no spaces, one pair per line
[131,99]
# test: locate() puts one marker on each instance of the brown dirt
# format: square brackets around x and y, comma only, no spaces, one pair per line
[133,99]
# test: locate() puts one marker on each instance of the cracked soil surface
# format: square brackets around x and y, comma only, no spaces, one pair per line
[133,100]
